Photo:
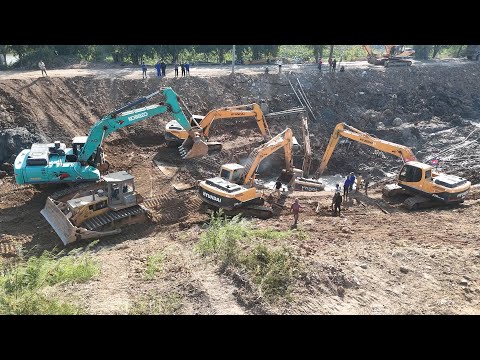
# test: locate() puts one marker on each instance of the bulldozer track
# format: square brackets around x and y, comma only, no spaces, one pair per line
[9,247]
[163,212]
[95,223]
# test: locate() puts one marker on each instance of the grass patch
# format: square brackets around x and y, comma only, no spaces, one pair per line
[272,269]
[169,304]
[229,240]
[154,265]
[22,286]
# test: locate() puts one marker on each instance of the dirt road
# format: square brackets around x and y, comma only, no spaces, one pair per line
[102,71]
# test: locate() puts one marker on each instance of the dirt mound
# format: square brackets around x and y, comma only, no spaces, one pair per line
[12,141]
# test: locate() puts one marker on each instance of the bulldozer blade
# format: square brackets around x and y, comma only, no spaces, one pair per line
[57,220]
[193,148]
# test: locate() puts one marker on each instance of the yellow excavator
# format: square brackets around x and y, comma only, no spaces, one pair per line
[395,55]
[425,187]
[97,213]
[233,189]
[176,135]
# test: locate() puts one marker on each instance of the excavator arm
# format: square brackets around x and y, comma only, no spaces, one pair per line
[342,129]
[120,118]
[252,110]
[283,140]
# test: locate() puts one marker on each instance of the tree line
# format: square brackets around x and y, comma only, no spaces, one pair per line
[29,55]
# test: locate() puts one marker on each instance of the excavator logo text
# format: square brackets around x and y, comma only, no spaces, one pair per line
[211,197]
[138,116]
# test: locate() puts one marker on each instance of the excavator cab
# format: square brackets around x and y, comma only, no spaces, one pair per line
[232,172]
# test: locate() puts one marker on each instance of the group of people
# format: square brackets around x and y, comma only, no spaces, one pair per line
[161,68]
[347,187]
[185,69]
[332,65]
[337,199]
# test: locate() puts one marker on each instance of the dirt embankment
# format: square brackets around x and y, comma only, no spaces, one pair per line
[344,259]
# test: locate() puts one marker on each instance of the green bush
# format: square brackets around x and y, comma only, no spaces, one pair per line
[22,285]
[272,269]
[229,239]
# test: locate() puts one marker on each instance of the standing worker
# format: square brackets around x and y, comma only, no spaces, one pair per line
[176,69]
[278,186]
[320,64]
[359,182]
[182,66]
[346,187]
[337,191]
[337,201]
[42,67]
[295,208]
[158,66]
[144,70]
[187,68]
[334,64]
[164,68]
[279,63]
[367,181]
[352,180]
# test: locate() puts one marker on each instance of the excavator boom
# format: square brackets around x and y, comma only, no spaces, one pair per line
[344,130]
[194,139]
[55,163]
[283,140]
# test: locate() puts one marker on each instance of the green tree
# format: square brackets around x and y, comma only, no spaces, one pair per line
[422,52]
[4,50]
[436,50]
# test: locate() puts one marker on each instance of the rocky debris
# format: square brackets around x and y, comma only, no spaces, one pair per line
[397,122]
[340,291]
[3,174]
[12,141]
[404,269]
[363,266]
[463,282]
[7,167]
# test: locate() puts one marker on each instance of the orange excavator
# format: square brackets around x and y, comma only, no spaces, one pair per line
[424,186]
[177,135]
[395,55]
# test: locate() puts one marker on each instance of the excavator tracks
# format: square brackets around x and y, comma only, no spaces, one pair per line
[258,211]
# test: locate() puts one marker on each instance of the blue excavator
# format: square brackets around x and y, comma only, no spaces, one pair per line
[85,160]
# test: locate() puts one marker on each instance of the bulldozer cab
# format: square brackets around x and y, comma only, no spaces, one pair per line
[232,172]
[120,189]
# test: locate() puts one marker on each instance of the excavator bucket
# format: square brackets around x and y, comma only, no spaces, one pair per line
[192,148]
[59,222]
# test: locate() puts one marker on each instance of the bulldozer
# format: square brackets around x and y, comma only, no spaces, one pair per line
[96,213]
[233,189]
[424,187]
